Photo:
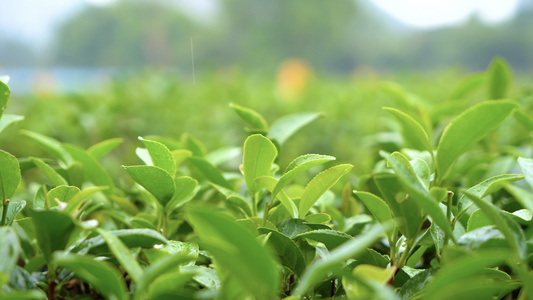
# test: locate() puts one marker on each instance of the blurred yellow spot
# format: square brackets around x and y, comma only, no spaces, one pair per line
[293,77]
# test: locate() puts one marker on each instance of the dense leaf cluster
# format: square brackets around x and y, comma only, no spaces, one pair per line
[444,217]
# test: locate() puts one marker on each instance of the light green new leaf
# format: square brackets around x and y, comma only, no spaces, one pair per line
[413,133]
[251,117]
[322,182]
[469,128]
[62,193]
[180,156]
[270,183]
[4,97]
[92,169]
[318,270]
[103,276]
[8,119]
[523,196]
[192,144]
[212,174]
[122,254]
[189,250]
[223,155]
[12,211]
[487,187]
[49,172]
[9,249]
[288,253]
[170,286]
[500,78]
[526,164]
[77,199]
[376,205]
[258,155]
[160,155]
[155,180]
[52,230]
[417,191]
[104,147]
[283,128]
[236,250]
[235,198]
[185,188]
[143,237]
[467,85]
[50,145]
[524,117]
[330,238]
[9,175]
[298,166]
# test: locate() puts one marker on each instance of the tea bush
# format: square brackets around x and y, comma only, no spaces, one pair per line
[444,212]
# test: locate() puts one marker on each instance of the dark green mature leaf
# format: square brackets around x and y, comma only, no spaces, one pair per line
[4,97]
[155,180]
[104,147]
[7,119]
[283,128]
[237,250]
[49,172]
[103,276]
[50,145]
[499,78]
[122,254]
[93,171]
[9,175]
[330,238]
[298,166]
[142,237]
[9,250]
[469,128]
[52,230]
[413,133]
[289,254]
[467,85]
[212,174]
[417,191]
[318,270]
[251,117]
[258,155]
[160,155]
[321,183]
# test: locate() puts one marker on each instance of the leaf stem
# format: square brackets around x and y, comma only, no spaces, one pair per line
[448,215]
[4,212]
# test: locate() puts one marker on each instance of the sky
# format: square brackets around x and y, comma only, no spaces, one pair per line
[35,20]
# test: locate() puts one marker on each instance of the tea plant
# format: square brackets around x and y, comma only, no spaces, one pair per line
[444,214]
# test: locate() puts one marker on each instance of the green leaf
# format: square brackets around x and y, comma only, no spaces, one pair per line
[76,201]
[62,193]
[512,231]
[251,117]
[368,282]
[236,249]
[9,250]
[283,128]
[23,295]
[144,238]
[49,172]
[7,119]
[298,166]
[122,254]
[212,174]
[193,145]
[322,182]
[104,147]
[50,145]
[330,238]
[417,191]
[526,164]
[477,220]
[103,276]
[523,196]
[469,128]
[413,133]
[416,283]
[376,206]
[9,175]
[270,183]
[185,188]
[258,155]
[52,230]
[13,209]
[499,78]
[160,155]
[467,85]
[4,97]
[180,156]
[155,180]
[189,250]
[318,218]
[92,170]
[318,270]
[170,285]
[524,117]
[288,253]
[222,155]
